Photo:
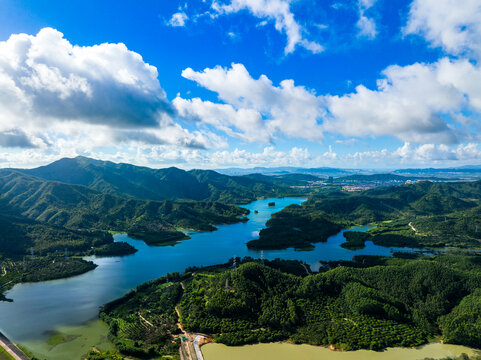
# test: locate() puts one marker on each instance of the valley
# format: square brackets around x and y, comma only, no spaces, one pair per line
[341,243]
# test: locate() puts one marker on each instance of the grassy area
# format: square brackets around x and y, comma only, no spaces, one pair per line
[4,355]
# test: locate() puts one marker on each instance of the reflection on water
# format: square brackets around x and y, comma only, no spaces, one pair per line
[285,351]
[42,307]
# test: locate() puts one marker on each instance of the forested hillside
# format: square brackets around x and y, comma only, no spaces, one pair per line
[46,217]
[370,304]
[130,181]
[424,214]
[78,207]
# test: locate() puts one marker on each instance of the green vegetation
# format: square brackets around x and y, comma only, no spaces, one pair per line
[57,338]
[76,204]
[371,303]
[160,237]
[138,182]
[114,249]
[78,207]
[143,322]
[294,227]
[49,267]
[424,214]
[354,240]
[105,355]
[463,324]
[4,355]
[21,237]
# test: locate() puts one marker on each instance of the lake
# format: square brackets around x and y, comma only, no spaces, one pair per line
[286,351]
[70,306]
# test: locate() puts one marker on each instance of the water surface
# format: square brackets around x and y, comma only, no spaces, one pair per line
[286,351]
[40,308]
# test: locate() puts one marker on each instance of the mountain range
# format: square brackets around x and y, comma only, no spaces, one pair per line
[138,182]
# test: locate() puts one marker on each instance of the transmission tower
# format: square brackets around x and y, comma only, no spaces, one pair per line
[262,257]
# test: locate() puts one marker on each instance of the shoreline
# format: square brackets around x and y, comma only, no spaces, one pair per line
[12,349]
[286,350]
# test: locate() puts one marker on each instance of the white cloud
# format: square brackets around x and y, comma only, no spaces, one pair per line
[421,155]
[277,10]
[268,157]
[453,25]
[287,109]
[418,103]
[412,103]
[95,95]
[178,19]
[49,78]
[366,25]
[437,153]
[246,124]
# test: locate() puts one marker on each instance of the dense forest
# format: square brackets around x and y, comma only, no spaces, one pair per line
[78,207]
[424,214]
[137,182]
[46,217]
[370,303]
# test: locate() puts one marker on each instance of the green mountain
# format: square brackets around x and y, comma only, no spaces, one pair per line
[79,207]
[130,181]
[371,303]
[442,214]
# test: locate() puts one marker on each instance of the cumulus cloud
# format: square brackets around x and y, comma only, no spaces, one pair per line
[418,103]
[245,124]
[94,95]
[366,25]
[49,78]
[287,109]
[455,26]
[277,10]
[407,103]
[178,19]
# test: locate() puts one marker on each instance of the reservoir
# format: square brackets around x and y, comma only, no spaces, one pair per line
[286,351]
[55,318]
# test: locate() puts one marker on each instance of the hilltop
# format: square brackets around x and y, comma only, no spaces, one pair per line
[137,182]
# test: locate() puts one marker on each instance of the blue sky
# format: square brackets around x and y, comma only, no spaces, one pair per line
[221,83]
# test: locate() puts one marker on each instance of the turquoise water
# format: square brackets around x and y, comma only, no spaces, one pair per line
[42,307]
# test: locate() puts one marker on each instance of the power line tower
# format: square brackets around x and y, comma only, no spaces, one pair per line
[262,257]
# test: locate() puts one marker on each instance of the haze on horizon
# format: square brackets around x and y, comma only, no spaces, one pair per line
[241,83]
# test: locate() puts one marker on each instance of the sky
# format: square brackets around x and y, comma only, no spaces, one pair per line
[241,83]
